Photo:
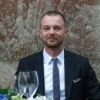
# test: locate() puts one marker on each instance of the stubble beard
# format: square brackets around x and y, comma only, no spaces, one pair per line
[53,46]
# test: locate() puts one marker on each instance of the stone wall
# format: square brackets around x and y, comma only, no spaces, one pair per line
[19,37]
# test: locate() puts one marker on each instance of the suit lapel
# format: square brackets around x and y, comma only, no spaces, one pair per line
[40,70]
[68,74]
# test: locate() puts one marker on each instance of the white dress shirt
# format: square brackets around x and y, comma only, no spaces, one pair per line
[48,75]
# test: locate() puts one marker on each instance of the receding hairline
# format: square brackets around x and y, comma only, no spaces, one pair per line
[53,13]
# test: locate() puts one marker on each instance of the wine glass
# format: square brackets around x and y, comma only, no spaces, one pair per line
[22,83]
[32,83]
[26,84]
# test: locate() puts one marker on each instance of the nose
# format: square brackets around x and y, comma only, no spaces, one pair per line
[52,31]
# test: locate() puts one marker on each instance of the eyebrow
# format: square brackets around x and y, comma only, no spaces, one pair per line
[53,26]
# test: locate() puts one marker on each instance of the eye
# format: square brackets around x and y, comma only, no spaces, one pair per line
[46,28]
[57,28]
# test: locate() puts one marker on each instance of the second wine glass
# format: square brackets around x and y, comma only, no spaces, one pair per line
[32,83]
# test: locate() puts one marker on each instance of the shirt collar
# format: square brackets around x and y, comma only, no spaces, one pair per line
[47,57]
[61,57]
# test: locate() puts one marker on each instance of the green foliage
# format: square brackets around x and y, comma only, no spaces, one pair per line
[8,91]
[16,98]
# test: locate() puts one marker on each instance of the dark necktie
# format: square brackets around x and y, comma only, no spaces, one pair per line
[56,82]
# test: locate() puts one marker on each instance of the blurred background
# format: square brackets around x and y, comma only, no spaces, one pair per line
[19,36]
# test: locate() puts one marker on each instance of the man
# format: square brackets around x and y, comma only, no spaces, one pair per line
[77,78]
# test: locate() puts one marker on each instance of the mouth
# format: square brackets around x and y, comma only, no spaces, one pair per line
[52,39]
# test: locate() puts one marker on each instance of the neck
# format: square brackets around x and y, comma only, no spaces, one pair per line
[53,52]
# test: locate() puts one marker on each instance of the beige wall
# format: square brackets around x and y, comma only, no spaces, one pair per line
[19,24]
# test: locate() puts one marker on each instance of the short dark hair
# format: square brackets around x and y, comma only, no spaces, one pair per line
[53,12]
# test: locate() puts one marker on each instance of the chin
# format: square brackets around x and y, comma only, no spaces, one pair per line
[53,45]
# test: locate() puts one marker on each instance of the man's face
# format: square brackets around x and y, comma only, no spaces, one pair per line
[52,31]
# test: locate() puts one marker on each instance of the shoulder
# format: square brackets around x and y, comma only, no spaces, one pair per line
[75,56]
[33,57]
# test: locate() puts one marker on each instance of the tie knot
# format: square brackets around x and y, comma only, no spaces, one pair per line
[55,59]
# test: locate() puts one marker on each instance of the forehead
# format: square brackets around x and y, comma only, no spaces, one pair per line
[52,20]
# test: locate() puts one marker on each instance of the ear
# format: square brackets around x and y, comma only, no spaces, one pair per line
[66,32]
[40,33]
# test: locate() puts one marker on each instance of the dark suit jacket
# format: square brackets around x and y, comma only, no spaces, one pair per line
[80,79]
